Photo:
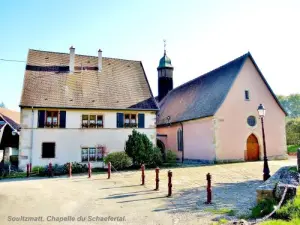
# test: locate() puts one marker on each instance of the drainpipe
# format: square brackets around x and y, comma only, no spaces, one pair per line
[31,141]
[182,155]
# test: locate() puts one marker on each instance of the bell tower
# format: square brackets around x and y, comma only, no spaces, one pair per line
[165,75]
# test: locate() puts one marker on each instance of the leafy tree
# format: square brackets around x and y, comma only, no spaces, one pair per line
[141,150]
[2,105]
[293,132]
[291,104]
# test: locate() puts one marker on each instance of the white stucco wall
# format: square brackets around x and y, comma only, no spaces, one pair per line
[71,139]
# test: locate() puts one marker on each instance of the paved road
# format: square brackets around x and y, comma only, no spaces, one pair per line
[122,196]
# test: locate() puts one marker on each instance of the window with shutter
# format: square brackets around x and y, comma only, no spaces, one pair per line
[41,118]
[179,140]
[62,119]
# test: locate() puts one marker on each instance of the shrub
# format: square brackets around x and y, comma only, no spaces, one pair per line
[39,170]
[171,157]
[263,208]
[290,210]
[119,160]
[155,158]
[77,167]
[141,150]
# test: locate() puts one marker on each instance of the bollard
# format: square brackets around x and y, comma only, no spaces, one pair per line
[208,178]
[108,170]
[50,174]
[70,169]
[30,167]
[143,174]
[169,183]
[156,179]
[89,169]
[27,170]
[298,159]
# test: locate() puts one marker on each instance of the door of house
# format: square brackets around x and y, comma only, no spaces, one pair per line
[252,148]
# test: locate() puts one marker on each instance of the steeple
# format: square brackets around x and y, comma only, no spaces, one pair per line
[165,75]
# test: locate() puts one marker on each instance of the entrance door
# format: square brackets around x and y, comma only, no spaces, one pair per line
[252,148]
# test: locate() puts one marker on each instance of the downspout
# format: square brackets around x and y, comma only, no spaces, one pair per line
[31,141]
[182,155]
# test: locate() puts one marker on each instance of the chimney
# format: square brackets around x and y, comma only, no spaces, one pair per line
[99,60]
[72,59]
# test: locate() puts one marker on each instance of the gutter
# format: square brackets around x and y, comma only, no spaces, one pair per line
[31,141]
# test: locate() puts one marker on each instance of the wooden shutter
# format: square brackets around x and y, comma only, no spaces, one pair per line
[41,118]
[62,119]
[141,120]
[120,120]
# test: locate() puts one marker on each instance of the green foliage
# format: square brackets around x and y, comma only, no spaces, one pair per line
[263,208]
[141,150]
[39,170]
[119,160]
[293,132]
[293,148]
[14,160]
[290,210]
[171,157]
[221,211]
[281,222]
[291,104]
[221,221]
[76,168]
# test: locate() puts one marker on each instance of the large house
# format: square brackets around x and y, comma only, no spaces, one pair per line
[76,107]
[214,117]
[9,134]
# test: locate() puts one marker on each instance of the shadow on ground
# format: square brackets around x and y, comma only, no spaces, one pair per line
[239,197]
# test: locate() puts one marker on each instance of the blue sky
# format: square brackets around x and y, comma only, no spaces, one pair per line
[201,35]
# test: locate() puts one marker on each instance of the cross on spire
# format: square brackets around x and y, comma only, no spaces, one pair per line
[165,45]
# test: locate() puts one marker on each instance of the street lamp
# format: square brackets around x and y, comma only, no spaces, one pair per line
[262,112]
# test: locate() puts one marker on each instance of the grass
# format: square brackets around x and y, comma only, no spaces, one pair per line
[293,169]
[281,222]
[229,212]
[293,148]
[221,221]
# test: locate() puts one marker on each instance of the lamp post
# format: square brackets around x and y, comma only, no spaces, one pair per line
[262,112]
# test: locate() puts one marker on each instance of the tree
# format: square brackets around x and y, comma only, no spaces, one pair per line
[2,105]
[141,150]
[291,104]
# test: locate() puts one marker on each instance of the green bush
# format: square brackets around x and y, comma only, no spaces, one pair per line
[171,157]
[77,167]
[119,160]
[141,150]
[39,170]
[263,208]
[155,158]
[290,210]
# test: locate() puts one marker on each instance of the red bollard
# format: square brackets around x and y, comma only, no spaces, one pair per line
[157,179]
[89,169]
[70,169]
[170,183]
[208,178]
[108,170]
[50,174]
[30,167]
[143,174]
[27,170]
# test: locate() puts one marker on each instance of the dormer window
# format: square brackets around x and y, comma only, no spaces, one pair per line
[247,97]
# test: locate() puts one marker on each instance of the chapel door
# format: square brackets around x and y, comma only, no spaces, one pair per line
[252,148]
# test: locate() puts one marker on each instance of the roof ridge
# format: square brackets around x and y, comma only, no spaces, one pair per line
[208,73]
[36,50]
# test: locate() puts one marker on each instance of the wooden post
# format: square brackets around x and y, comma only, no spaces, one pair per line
[30,167]
[157,179]
[298,159]
[70,169]
[89,169]
[27,170]
[143,174]
[208,178]
[108,170]
[169,183]
[50,173]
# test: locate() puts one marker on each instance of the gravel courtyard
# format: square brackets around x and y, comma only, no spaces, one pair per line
[123,198]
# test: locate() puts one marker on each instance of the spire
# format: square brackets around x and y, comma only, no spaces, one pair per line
[165,45]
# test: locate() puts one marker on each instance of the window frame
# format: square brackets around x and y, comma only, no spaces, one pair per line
[130,124]
[247,94]
[95,124]
[97,153]
[51,123]
[42,149]
[179,140]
